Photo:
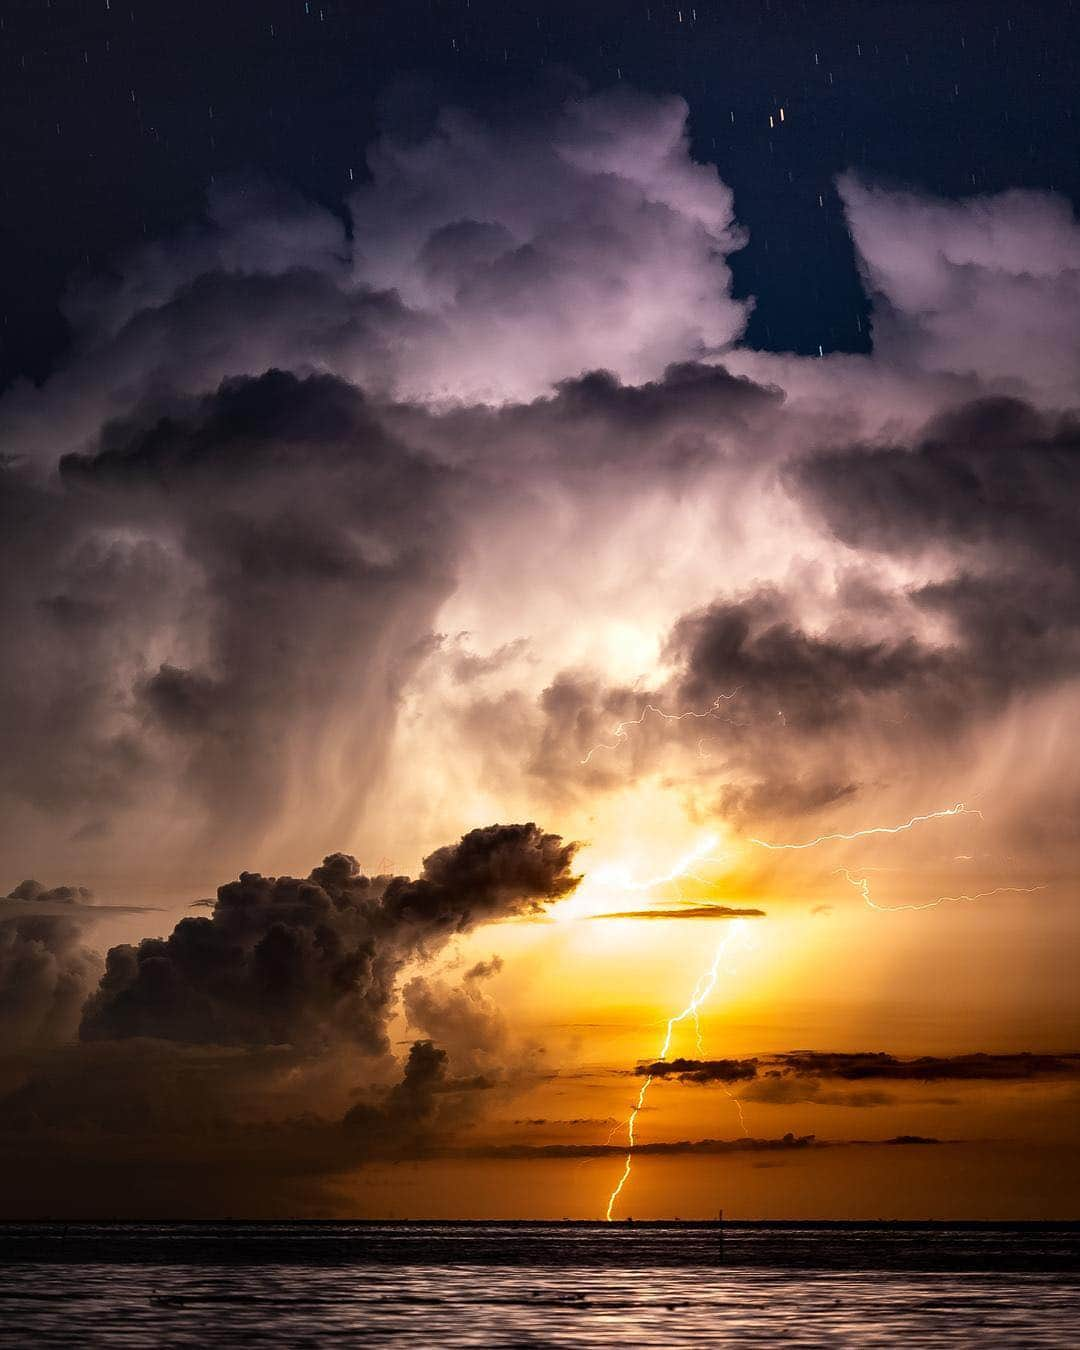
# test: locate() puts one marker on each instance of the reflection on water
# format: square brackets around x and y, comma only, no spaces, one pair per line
[192,1297]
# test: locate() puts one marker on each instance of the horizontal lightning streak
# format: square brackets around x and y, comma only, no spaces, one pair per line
[862,885]
[958,810]
[621,731]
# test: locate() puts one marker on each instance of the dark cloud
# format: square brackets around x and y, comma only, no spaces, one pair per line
[780,798]
[661,1148]
[930,1068]
[796,1077]
[994,486]
[995,473]
[775,707]
[786,1143]
[36,892]
[400,1123]
[577,1120]
[811,682]
[675,424]
[688,912]
[252,1044]
[701,1070]
[151,1127]
[283,959]
[32,900]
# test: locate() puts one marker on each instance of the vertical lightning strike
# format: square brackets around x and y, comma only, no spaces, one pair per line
[621,731]
[702,990]
[738,1107]
[707,981]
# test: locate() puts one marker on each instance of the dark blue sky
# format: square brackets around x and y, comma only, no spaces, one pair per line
[117,113]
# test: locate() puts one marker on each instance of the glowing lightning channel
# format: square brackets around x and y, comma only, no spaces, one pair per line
[701,852]
[621,731]
[702,990]
[862,885]
[958,810]
[707,981]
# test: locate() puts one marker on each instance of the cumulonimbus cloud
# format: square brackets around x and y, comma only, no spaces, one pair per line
[234,578]
[290,960]
[291,471]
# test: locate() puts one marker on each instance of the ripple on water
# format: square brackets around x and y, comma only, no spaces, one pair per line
[182,1304]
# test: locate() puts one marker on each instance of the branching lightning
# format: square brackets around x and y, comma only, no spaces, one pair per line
[862,885]
[958,810]
[701,852]
[622,731]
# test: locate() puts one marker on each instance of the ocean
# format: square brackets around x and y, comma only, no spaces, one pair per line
[539,1284]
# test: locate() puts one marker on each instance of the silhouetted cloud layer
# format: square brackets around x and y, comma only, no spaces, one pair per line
[979,1067]
[675,1148]
[687,912]
[701,1070]
[285,960]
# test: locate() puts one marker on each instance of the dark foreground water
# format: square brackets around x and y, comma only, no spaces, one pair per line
[433,1285]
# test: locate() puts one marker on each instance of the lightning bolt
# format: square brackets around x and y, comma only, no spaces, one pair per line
[701,852]
[702,990]
[621,731]
[958,810]
[862,885]
[707,981]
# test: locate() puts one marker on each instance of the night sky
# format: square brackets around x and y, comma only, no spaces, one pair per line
[540,577]
[117,116]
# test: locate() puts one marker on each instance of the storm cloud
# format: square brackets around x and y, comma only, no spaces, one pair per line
[289,960]
[198,594]
[46,975]
[342,530]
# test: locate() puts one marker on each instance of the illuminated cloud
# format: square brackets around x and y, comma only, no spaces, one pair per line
[990,285]
[534,250]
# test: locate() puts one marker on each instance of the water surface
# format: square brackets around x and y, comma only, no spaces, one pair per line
[424,1285]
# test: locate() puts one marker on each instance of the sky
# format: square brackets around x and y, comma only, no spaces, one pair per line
[541,582]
